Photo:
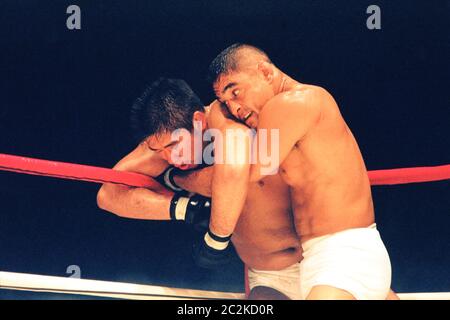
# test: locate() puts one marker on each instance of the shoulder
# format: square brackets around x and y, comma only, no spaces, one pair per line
[303,97]
[297,109]
[142,160]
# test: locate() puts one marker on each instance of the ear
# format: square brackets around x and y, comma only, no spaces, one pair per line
[267,70]
[199,117]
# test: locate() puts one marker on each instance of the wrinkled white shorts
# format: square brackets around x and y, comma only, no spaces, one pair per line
[354,260]
[286,281]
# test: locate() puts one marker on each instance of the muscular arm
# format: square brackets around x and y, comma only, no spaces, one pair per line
[225,183]
[197,181]
[137,203]
[230,183]
[229,178]
[292,114]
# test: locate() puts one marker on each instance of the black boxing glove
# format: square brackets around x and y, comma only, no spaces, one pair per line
[166,179]
[211,251]
[194,210]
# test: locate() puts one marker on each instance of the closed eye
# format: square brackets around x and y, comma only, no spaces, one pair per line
[170,145]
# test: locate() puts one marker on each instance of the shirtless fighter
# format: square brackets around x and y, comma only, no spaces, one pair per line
[343,254]
[264,237]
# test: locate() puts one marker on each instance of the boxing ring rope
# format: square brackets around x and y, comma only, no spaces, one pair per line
[72,171]
[108,289]
[64,170]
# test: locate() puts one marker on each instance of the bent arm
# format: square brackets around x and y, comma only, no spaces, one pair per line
[197,181]
[137,203]
[285,120]
[231,173]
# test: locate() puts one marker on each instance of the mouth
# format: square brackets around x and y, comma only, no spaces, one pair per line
[252,120]
[248,115]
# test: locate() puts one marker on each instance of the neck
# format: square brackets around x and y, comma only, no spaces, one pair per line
[286,83]
[280,84]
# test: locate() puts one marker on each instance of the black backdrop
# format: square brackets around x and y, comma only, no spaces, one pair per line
[65,95]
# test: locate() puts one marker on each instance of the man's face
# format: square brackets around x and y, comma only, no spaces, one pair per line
[245,93]
[168,149]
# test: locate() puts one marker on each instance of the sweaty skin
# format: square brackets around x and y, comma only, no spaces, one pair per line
[320,160]
[264,237]
[319,157]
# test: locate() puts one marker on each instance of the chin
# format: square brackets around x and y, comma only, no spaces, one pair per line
[253,125]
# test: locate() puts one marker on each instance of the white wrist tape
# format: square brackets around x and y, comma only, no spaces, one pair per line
[218,244]
[181,207]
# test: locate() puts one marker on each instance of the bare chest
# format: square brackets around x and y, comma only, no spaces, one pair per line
[293,170]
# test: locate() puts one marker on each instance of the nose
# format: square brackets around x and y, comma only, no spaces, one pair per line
[240,112]
[234,108]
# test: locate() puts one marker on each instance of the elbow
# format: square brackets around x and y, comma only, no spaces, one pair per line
[102,198]
[107,200]
[104,201]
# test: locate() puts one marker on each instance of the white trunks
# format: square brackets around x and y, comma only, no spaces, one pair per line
[354,260]
[286,281]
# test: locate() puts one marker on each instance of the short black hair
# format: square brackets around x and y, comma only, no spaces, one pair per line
[228,60]
[164,106]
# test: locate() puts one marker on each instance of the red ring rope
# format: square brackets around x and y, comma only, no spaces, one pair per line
[73,171]
[409,175]
[65,170]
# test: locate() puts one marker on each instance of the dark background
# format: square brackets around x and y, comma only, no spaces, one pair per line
[65,95]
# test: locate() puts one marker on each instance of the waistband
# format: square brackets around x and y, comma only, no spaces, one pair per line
[313,241]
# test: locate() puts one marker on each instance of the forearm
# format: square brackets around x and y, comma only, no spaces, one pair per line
[230,178]
[135,203]
[229,192]
[197,181]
